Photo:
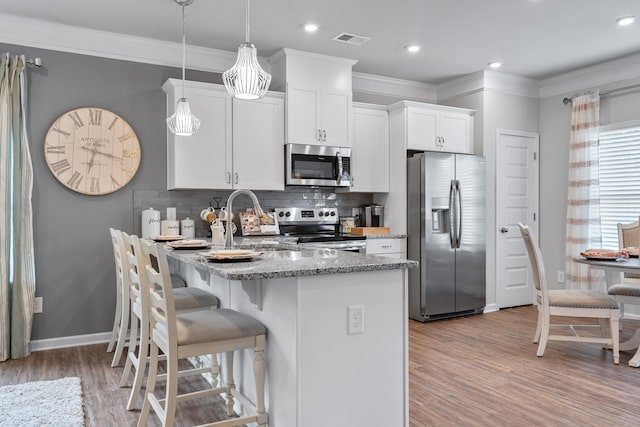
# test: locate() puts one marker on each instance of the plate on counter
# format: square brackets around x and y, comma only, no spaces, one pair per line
[189,244]
[167,238]
[231,255]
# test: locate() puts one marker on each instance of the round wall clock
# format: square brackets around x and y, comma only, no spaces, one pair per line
[92,151]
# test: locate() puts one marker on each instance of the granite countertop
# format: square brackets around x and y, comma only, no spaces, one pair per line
[282,258]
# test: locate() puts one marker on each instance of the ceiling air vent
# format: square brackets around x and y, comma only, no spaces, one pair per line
[351,39]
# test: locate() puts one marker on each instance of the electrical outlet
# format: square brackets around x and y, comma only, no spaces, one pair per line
[355,319]
[560,276]
[37,305]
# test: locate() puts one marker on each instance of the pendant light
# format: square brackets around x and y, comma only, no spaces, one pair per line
[183,122]
[246,79]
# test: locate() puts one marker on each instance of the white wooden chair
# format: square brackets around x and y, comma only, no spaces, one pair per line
[570,303]
[120,333]
[186,299]
[628,290]
[181,335]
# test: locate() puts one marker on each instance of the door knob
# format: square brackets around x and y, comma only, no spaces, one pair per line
[504,230]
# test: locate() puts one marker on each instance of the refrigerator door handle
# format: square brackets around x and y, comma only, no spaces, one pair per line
[459,214]
[452,213]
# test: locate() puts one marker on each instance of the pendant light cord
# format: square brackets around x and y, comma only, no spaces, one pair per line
[184,49]
[247,19]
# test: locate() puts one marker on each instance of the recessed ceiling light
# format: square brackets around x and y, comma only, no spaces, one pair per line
[413,48]
[310,28]
[625,20]
[494,64]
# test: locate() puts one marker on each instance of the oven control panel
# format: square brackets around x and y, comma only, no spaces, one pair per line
[307,215]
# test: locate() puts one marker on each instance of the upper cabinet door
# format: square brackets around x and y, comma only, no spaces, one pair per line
[303,115]
[421,129]
[370,156]
[319,116]
[258,143]
[337,118]
[200,161]
[455,132]
[439,128]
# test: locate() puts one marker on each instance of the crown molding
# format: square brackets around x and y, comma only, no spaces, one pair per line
[617,70]
[85,41]
[405,89]
[487,80]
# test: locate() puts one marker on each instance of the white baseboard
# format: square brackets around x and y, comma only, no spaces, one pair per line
[72,341]
[490,308]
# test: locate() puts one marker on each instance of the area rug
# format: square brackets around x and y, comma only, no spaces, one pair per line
[43,403]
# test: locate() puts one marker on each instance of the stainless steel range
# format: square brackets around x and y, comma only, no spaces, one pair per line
[317,228]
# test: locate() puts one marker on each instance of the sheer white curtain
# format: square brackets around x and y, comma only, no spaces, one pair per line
[583,201]
[17,269]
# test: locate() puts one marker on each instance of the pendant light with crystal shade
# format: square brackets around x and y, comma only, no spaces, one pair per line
[246,79]
[183,122]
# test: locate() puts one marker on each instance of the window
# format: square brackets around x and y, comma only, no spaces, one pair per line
[619,178]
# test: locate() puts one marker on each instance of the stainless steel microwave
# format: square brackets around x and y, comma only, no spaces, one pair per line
[318,165]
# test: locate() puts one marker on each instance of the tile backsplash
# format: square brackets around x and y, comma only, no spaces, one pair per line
[189,203]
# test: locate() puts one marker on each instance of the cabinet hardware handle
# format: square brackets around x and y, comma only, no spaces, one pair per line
[504,230]
[228,177]
[324,135]
[236,177]
[319,134]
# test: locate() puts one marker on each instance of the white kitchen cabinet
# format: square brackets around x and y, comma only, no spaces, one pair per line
[439,128]
[319,116]
[392,247]
[370,154]
[240,144]
[319,98]
[258,143]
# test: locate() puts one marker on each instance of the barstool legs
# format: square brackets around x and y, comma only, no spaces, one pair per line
[229,382]
[259,373]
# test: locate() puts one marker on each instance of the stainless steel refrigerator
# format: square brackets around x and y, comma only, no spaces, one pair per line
[446,234]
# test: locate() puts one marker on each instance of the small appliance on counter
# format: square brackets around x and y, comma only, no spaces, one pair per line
[371,216]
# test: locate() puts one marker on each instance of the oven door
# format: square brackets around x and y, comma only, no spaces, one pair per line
[316,165]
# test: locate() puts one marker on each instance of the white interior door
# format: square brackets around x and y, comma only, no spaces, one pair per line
[516,201]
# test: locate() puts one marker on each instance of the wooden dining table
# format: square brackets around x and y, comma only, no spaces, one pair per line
[612,270]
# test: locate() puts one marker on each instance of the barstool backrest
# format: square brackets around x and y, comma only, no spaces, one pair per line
[157,282]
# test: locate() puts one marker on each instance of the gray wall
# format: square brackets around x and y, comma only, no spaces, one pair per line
[75,271]
[74,262]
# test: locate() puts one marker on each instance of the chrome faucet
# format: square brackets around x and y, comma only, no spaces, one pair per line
[228,243]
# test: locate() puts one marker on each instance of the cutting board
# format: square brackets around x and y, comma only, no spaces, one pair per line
[370,231]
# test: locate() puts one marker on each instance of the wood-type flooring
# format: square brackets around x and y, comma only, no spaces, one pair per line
[479,370]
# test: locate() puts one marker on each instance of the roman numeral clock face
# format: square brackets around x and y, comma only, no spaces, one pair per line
[92,151]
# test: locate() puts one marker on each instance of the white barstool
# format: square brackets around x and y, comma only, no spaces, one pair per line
[181,335]
[187,299]
[120,332]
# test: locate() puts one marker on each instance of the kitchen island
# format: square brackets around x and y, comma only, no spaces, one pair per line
[319,372]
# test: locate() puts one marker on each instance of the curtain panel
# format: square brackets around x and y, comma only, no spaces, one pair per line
[583,201]
[17,267]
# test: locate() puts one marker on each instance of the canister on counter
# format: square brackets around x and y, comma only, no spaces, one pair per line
[346,224]
[187,228]
[169,227]
[150,223]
